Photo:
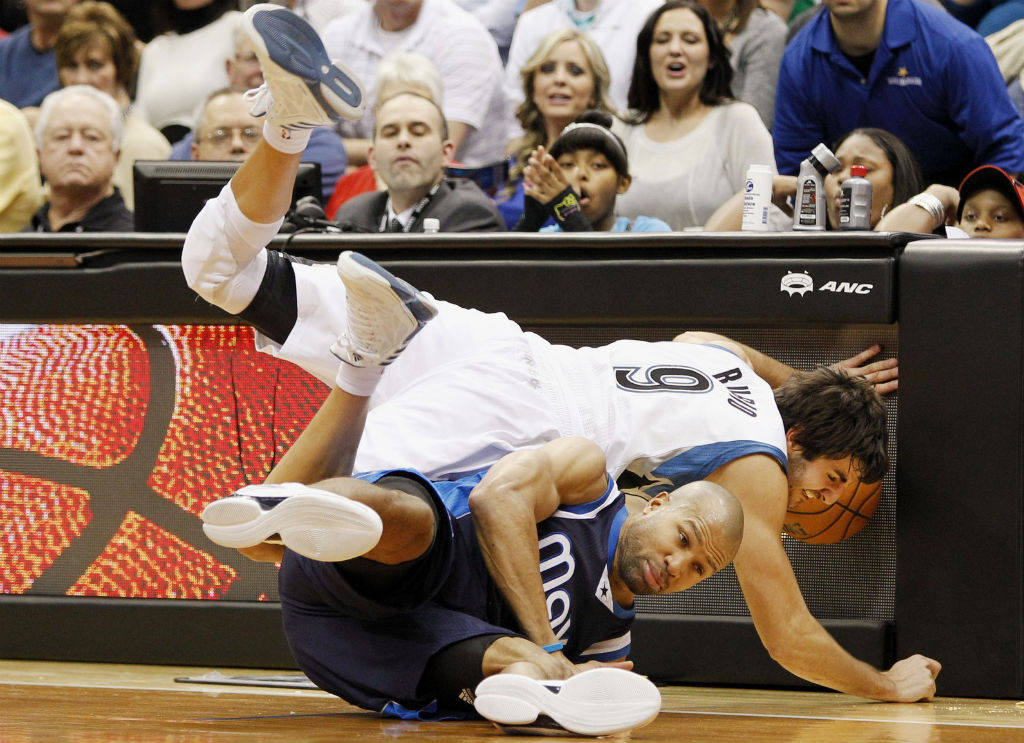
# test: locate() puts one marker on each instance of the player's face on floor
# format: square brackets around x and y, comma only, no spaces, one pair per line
[667,549]
[819,479]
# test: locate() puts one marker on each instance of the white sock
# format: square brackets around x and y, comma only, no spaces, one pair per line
[289,141]
[358,380]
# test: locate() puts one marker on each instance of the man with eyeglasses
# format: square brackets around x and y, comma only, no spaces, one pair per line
[243,67]
[225,130]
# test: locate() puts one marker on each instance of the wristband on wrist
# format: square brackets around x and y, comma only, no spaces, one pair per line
[931,204]
[553,647]
[563,206]
[567,212]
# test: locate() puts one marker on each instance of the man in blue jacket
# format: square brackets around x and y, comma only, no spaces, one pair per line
[903,66]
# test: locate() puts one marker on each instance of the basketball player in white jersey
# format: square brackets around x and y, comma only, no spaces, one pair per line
[473,386]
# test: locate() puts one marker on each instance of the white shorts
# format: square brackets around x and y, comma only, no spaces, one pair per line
[465,392]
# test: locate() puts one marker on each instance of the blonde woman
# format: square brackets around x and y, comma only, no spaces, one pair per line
[564,77]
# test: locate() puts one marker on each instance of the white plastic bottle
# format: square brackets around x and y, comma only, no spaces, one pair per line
[855,200]
[431,225]
[809,210]
[757,199]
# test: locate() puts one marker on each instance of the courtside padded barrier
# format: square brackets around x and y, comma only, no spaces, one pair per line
[937,570]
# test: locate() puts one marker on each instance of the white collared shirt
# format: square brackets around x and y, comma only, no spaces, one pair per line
[464,53]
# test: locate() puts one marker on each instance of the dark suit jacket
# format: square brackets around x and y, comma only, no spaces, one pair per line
[458,204]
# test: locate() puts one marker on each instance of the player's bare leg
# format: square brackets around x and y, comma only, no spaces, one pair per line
[223,257]
[331,521]
[303,89]
[343,518]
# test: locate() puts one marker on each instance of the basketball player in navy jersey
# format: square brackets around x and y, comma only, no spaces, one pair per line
[401,595]
[472,387]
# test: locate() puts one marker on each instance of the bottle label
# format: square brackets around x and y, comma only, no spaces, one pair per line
[808,205]
[855,205]
[756,199]
[844,207]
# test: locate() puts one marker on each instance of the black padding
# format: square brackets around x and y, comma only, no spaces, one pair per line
[959,518]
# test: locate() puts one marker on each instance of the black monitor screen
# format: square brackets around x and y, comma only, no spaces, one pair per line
[170,193]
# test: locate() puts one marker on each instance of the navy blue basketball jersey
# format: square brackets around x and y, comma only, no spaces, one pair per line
[577,546]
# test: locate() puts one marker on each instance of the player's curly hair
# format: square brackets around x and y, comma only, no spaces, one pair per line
[834,415]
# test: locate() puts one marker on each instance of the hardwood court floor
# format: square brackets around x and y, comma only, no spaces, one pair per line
[87,703]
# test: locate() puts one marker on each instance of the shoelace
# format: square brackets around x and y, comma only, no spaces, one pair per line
[260,98]
[290,99]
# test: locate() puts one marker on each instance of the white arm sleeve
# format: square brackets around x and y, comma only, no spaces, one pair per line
[224,256]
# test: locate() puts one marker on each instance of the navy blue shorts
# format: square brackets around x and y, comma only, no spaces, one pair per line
[371,649]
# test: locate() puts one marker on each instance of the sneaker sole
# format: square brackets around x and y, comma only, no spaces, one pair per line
[295,47]
[320,526]
[357,267]
[601,701]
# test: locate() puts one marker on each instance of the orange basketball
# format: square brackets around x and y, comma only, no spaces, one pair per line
[815,522]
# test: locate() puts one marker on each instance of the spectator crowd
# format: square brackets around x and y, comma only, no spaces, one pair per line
[490,115]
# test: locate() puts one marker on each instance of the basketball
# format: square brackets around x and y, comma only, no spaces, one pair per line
[815,522]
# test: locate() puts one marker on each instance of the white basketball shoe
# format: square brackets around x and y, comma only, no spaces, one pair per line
[302,88]
[314,523]
[384,312]
[601,701]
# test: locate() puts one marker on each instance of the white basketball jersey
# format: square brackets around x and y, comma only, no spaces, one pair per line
[472,387]
[668,413]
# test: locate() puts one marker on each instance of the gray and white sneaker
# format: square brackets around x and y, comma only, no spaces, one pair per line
[302,88]
[384,312]
[314,523]
[601,701]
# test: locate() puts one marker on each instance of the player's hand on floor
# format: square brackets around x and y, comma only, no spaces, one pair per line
[913,678]
[557,666]
[625,665]
[884,374]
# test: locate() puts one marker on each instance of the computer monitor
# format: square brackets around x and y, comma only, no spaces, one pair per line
[170,193]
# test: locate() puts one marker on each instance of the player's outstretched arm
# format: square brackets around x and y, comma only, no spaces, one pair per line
[882,374]
[792,636]
[518,492]
[327,446]
[772,371]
